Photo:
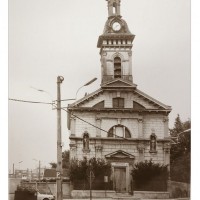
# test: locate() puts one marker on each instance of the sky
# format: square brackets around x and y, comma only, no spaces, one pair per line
[49,38]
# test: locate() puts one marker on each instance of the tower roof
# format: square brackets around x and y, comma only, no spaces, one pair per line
[114,20]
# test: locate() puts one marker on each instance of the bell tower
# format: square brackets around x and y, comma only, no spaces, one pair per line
[113,7]
[115,47]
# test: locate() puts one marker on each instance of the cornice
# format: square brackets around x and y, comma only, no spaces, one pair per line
[114,110]
[121,139]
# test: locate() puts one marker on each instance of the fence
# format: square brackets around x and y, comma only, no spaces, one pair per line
[96,185]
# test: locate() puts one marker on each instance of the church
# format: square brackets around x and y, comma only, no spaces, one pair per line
[118,122]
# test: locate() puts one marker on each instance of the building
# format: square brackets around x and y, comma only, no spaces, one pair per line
[118,122]
[29,175]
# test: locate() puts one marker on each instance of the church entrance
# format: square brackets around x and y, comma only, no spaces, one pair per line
[120,179]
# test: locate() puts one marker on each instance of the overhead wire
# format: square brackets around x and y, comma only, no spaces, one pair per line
[93,125]
[39,102]
[25,101]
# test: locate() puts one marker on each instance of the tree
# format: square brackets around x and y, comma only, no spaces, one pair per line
[65,160]
[53,165]
[180,150]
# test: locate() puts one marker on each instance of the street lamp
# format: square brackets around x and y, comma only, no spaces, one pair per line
[86,84]
[60,79]
[19,164]
[14,168]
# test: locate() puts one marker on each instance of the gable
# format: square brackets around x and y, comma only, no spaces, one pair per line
[134,99]
[119,155]
[118,83]
[99,105]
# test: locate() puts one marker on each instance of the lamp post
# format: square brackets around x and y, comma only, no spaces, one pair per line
[59,196]
[60,79]
[19,164]
[86,84]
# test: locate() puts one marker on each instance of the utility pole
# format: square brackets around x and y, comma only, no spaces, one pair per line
[39,171]
[13,169]
[60,79]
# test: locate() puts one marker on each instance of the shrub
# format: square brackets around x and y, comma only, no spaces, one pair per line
[150,176]
[79,172]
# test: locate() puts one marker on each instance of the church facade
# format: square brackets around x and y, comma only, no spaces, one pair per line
[118,122]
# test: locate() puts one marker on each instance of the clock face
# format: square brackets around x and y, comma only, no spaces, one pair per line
[116,26]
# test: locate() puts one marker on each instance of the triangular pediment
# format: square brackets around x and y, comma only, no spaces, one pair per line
[118,83]
[140,100]
[120,155]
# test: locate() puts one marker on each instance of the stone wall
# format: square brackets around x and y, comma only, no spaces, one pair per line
[13,182]
[178,189]
[131,121]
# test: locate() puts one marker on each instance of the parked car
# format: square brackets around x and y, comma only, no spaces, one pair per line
[43,196]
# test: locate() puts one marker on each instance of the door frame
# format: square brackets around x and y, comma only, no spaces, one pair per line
[121,165]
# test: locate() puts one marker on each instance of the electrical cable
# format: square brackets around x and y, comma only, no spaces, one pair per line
[93,124]
[38,102]
[24,101]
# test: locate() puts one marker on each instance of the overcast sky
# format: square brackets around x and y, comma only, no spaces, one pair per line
[48,38]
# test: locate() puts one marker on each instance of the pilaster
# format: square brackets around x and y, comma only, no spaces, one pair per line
[73,150]
[166,149]
[141,148]
[98,124]
[73,126]
[140,128]
[166,126]
[98,150]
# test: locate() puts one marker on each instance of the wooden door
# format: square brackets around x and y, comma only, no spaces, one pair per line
[120,179]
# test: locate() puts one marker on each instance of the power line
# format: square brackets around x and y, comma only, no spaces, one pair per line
[39,102]
[93,124]
[25,101]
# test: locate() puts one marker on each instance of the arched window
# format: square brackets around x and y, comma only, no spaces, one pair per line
[117,67]
[119,131]
[114,8]
[85,141]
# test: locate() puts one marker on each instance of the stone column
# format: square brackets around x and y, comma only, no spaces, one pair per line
[140,128]
[98,124]
[73,126]
[141,149]
[166,126]
[130,65]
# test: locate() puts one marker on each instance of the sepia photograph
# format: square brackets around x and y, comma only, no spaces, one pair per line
[99,99]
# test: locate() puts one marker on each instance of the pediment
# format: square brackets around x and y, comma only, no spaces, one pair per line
[120,155]
[118,84]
